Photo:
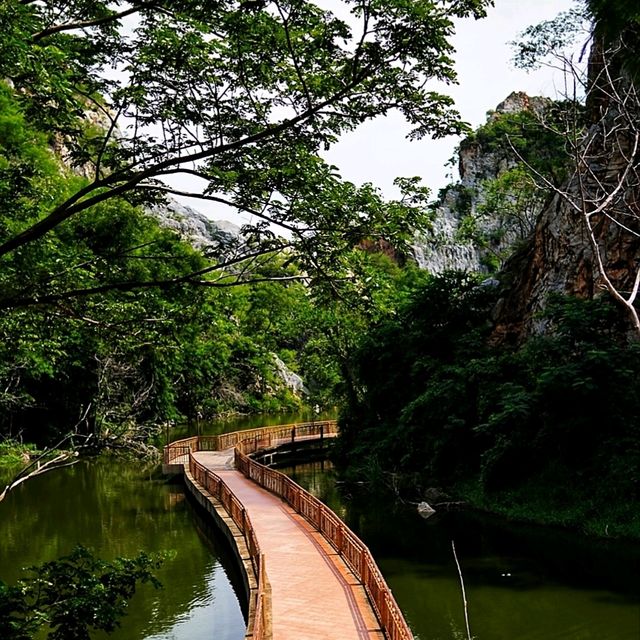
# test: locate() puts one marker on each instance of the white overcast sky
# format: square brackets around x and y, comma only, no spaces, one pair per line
[378,151]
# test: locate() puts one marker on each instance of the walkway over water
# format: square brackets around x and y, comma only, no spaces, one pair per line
[322,582]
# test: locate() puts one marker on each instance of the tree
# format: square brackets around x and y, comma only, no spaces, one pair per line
[240,97]
[588,237]
[73,595]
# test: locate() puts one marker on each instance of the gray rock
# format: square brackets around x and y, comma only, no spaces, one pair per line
[443,248]
[215,238]
[290,379]
[425,510]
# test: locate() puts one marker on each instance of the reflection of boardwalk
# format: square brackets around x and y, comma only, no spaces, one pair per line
[314,594]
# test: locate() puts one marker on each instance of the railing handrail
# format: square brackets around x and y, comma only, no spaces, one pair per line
[355,553]
[259,627]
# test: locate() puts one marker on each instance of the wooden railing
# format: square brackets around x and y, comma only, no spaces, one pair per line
[184,447]
[259,627]
[347,544]
[267,437]
[264,437]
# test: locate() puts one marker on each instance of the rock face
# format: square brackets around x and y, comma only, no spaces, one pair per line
[291,380]
[446,247]
[213,237]
[587,238]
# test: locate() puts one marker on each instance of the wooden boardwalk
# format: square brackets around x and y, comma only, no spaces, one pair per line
[308,577]
[315,596]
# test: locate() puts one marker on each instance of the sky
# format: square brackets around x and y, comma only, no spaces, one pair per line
[378,151]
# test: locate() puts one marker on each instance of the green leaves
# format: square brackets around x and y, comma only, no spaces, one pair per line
[74,595]
[247,96]
[437,400]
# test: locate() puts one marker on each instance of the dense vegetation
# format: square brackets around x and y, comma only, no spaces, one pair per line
[542,424]
[110,324]
[544,431]
[115,359]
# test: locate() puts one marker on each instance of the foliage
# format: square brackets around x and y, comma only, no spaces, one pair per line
[518,155]
[617,22]
[551,39]
[438,401]
[108,321]
[116,363]
[245,96]
[441,323]
[533,137]
[14,453]
[73,595]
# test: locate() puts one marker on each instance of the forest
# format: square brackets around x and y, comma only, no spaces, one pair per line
[114,326]
[512,384]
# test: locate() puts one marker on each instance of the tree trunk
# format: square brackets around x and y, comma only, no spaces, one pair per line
[587,239]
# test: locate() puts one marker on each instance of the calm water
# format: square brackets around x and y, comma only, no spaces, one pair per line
[119,509]
[522,583]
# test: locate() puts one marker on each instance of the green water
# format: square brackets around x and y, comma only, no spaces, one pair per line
[119,509]
[522,582]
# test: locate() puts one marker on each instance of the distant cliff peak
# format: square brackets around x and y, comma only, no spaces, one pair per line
[461,213]
[210,236]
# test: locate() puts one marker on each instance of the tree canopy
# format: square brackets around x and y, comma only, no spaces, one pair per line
[239,97]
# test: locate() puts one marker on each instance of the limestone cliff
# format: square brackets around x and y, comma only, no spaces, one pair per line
[213,237]
[451,244]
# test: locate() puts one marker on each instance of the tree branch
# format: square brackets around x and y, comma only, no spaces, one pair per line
[85,24]
[76,203]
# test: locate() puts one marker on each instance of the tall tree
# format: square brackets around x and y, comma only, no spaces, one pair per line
[238,97]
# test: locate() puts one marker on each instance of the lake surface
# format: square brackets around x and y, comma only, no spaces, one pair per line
[522,582]
[120,509]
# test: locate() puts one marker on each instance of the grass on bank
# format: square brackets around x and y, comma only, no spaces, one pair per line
[565,504]
[14,453]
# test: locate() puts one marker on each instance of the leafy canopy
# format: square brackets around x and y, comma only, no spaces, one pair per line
[241,97]
[72,596]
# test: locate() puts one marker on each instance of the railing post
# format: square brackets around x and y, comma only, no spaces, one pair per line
[364,570]
[293,435]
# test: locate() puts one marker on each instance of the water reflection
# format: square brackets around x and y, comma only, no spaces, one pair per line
[119,509]
[522,582]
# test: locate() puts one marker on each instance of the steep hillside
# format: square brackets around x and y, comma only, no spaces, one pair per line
[478,220]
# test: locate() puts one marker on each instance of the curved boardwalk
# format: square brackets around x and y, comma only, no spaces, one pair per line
[308,577]
[315,596]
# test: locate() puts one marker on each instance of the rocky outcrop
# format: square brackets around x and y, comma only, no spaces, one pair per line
[446,247]
[592,220]
[291,380]
[214,237]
